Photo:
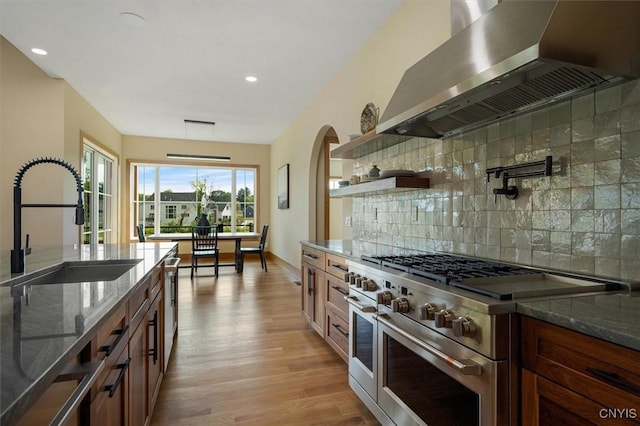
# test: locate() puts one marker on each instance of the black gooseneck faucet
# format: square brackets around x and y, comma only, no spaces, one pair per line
[18,253]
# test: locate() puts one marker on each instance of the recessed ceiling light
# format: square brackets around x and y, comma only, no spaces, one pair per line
[251,78]
[132,19]
[39,51]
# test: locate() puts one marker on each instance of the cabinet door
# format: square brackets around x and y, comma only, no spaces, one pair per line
[155,322]
[307,296]
[139,354]
[312,296]
[546,403]
[109,407]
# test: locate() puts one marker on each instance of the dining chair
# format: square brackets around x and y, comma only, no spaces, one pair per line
[257,250]
[141,236]
[204,243]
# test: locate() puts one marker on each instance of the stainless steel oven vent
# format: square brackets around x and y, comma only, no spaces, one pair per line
[519,56]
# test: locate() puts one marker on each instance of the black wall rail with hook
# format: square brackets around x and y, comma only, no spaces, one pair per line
[511,191]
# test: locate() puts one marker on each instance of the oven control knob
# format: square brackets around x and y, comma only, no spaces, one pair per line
[360,280]
[369,285]
[463,326]
[352,279]
[385,298]
[347,276]
[428,311]
[443,319]
[401,304]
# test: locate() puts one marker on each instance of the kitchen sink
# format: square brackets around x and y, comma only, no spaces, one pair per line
[75,272]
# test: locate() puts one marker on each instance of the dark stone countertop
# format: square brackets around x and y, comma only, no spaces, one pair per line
[43,326]
[614,317]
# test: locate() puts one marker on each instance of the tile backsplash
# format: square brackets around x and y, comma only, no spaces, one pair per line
[585,218]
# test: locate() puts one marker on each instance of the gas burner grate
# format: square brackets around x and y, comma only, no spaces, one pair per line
[449,269]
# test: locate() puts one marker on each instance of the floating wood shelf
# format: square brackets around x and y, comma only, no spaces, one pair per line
[381,185]
[366,144]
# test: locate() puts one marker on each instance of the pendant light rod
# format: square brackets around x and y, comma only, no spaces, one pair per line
[210,123]
[199,157]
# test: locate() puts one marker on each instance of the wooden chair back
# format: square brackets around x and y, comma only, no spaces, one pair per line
[263,237]
[204,239]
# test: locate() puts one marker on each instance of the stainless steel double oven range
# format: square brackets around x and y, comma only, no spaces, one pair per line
[433,337]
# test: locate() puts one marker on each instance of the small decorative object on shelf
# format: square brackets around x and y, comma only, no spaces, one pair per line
[374,172]
[369,118]
[511,191]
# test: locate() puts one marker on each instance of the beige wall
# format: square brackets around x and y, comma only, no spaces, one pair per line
[41,116]
[140,148]
[416,28]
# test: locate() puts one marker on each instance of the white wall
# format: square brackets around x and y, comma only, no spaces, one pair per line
[416,28]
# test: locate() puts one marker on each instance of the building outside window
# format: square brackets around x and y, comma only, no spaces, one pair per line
[184,193]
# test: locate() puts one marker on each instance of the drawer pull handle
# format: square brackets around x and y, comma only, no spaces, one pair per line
[614,379]
[340,290]
[339,266]
[340,329]
[310,256]
[114,345]
[114,387]
[154,352]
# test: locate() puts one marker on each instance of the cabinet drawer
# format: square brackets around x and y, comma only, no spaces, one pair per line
[313,256]
[111,339]
[336,265]
[138,304]
[594,368]
[336,291]
[338,333]
[112,333]
[109,403]
[155,282]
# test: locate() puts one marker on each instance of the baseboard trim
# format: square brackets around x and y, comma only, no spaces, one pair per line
[293,271]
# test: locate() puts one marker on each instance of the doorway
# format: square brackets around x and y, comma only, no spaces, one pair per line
[325,213]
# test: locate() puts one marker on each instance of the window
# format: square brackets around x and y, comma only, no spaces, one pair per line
[224,194]
[170,212]
[99,183]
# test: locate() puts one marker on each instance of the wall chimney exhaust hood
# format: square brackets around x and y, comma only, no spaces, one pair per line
[519,56]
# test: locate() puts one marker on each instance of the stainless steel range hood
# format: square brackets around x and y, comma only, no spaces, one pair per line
[519,56]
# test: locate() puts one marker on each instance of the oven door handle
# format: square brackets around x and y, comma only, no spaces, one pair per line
[464,366]
[353,301]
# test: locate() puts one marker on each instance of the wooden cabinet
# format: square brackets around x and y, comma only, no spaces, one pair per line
[110,403]
[155,335]
[145,349]
[569,378]
[337,309]
[323,292]
[109,398]
[312,288]
[138,401]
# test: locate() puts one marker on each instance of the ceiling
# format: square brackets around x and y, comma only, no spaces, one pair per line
[189,59]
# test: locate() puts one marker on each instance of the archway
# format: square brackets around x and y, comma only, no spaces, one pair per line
[319,206]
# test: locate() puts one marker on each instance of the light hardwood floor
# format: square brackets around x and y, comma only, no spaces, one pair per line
[245,356]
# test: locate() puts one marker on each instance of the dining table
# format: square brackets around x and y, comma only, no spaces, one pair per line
[222,236]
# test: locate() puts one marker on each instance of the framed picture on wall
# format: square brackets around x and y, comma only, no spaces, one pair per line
[283,187]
